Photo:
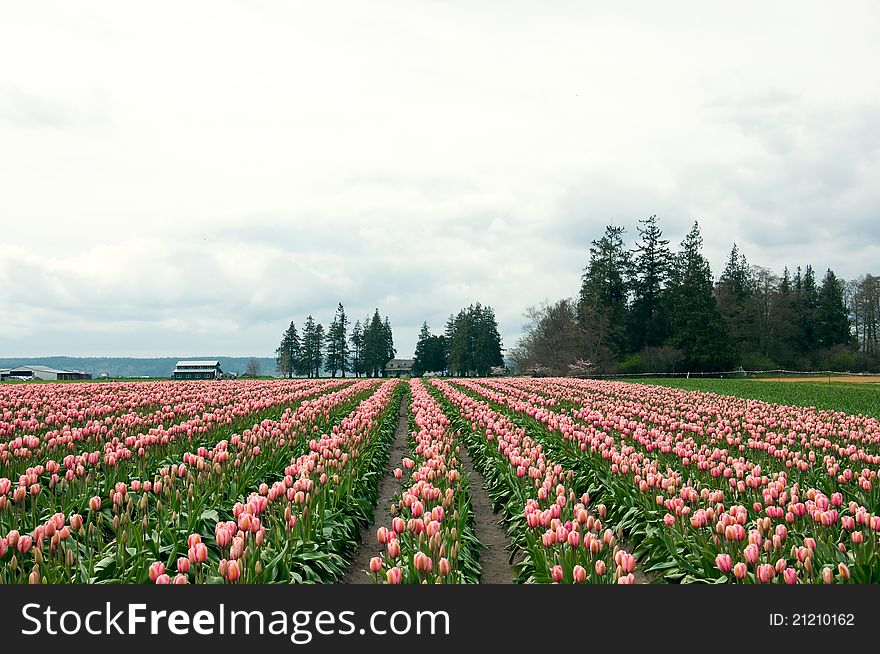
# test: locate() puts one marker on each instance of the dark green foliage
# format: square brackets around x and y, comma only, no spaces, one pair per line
[648,325]
[289,354]
[697,328]
[602,306]
[430,355]
[378,345]
[654,310]
[337,344]
[832,326]
[312,349]
[473,342]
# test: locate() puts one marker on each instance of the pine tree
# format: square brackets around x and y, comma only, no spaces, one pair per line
[387,344]
[357,349]
[337,343]
[697,328]
[808,310]
[287,355]
[332,355]
[341,339]
[421,353]
[833,327]
[650,271]
[735,294]
[473,342]
[312,348]
[605,290]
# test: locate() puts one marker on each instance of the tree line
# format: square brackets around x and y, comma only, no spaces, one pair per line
[649,309]
[364,351]
[470,346]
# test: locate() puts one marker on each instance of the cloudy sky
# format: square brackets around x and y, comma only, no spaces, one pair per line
[187,177]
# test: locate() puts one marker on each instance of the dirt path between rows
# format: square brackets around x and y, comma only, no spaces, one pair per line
[358,570]
[494,556]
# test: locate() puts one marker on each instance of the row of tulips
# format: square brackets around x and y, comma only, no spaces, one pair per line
[719,518]
[562,538]
[114,537]
[44,488]
[430,538]
[300,528]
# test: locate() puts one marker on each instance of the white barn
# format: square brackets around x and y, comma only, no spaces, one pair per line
[197,370]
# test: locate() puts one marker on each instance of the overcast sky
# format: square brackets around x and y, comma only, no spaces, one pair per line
[187,177]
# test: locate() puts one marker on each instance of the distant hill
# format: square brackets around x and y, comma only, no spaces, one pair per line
[134,367]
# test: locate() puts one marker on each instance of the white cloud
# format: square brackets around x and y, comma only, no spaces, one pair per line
[188,178]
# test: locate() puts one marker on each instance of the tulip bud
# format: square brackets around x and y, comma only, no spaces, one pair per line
[827,575]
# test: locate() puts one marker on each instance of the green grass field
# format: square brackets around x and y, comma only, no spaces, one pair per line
[838,396]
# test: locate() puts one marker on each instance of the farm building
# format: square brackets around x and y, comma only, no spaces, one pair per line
[41,373]
[197,370]
[399,367]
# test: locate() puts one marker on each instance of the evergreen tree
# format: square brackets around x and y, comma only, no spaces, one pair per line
[287,355]
[318,359]
[808,311]
[357,349]
[332,355]
[833,327]
[784,332]
[312,348]
[473,341]
[735,294]
[430,355]
[387,344]
[605,290]
[378,345]
[697,328]
[650,271]
[337,343]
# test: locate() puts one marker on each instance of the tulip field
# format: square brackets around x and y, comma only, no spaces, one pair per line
[275,481]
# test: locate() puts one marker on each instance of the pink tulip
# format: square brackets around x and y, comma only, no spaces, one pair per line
[183,565]
[740,571]
[24,544]
[157,569]
[375,564]
[580,574]
[556,574]
[724,563]
[600,567]
[765,573]
[394,575]
[198,553]
[422,562]
[233,571]
[751,553]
